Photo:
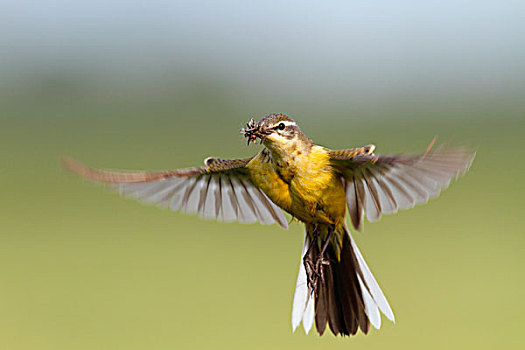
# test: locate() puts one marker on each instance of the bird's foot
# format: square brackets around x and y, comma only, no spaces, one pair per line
[315,271]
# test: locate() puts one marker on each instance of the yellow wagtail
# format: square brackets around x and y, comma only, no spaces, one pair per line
[315,185]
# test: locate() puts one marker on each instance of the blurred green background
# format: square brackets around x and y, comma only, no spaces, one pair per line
[156,85]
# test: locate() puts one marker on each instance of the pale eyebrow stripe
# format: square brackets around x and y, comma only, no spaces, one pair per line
[285,122]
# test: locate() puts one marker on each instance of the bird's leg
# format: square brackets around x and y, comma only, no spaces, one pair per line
[314,269]
[320,261]
[311,273]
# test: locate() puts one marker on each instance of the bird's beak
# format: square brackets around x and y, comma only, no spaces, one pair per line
[253,131]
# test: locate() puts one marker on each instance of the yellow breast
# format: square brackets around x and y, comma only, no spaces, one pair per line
[264,176]
[302,183]
[317,189]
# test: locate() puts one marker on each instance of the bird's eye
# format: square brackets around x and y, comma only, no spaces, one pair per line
[281,126]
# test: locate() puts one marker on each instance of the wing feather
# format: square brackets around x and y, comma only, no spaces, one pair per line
[361,199]
[377,185]
[192,196]
[165,193]
[373,206]
[229,202]
[247,212]
[175,202]
[212,199]
[261,209]
[385,195]
[222,190]
[354,207]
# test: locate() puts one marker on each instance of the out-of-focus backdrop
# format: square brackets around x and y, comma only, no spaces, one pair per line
[152,85]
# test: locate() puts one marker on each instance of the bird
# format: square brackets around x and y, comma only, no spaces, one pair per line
[317,186]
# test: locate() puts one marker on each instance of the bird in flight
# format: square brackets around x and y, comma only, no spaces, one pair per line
[315,185]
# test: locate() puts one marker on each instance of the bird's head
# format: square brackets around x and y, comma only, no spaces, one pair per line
[274,130]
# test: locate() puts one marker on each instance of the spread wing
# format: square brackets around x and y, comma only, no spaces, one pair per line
[222,190]
[377,185]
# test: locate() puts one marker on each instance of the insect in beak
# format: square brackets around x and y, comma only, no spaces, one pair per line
[253,131]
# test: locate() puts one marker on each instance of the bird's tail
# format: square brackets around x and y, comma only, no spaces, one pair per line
[347,297]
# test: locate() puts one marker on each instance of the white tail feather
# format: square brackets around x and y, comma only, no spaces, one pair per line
[303,300]
[309,314]
[371,309]
[375,292]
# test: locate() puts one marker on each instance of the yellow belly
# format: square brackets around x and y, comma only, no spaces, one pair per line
[313,194]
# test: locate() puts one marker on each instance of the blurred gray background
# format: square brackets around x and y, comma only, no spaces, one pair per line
[324,55]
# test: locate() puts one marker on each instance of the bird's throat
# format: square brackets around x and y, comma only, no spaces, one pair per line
[288,157]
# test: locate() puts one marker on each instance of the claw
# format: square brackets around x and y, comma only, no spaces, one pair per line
[315,271]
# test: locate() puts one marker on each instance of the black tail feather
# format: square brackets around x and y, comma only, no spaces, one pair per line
[338,296]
